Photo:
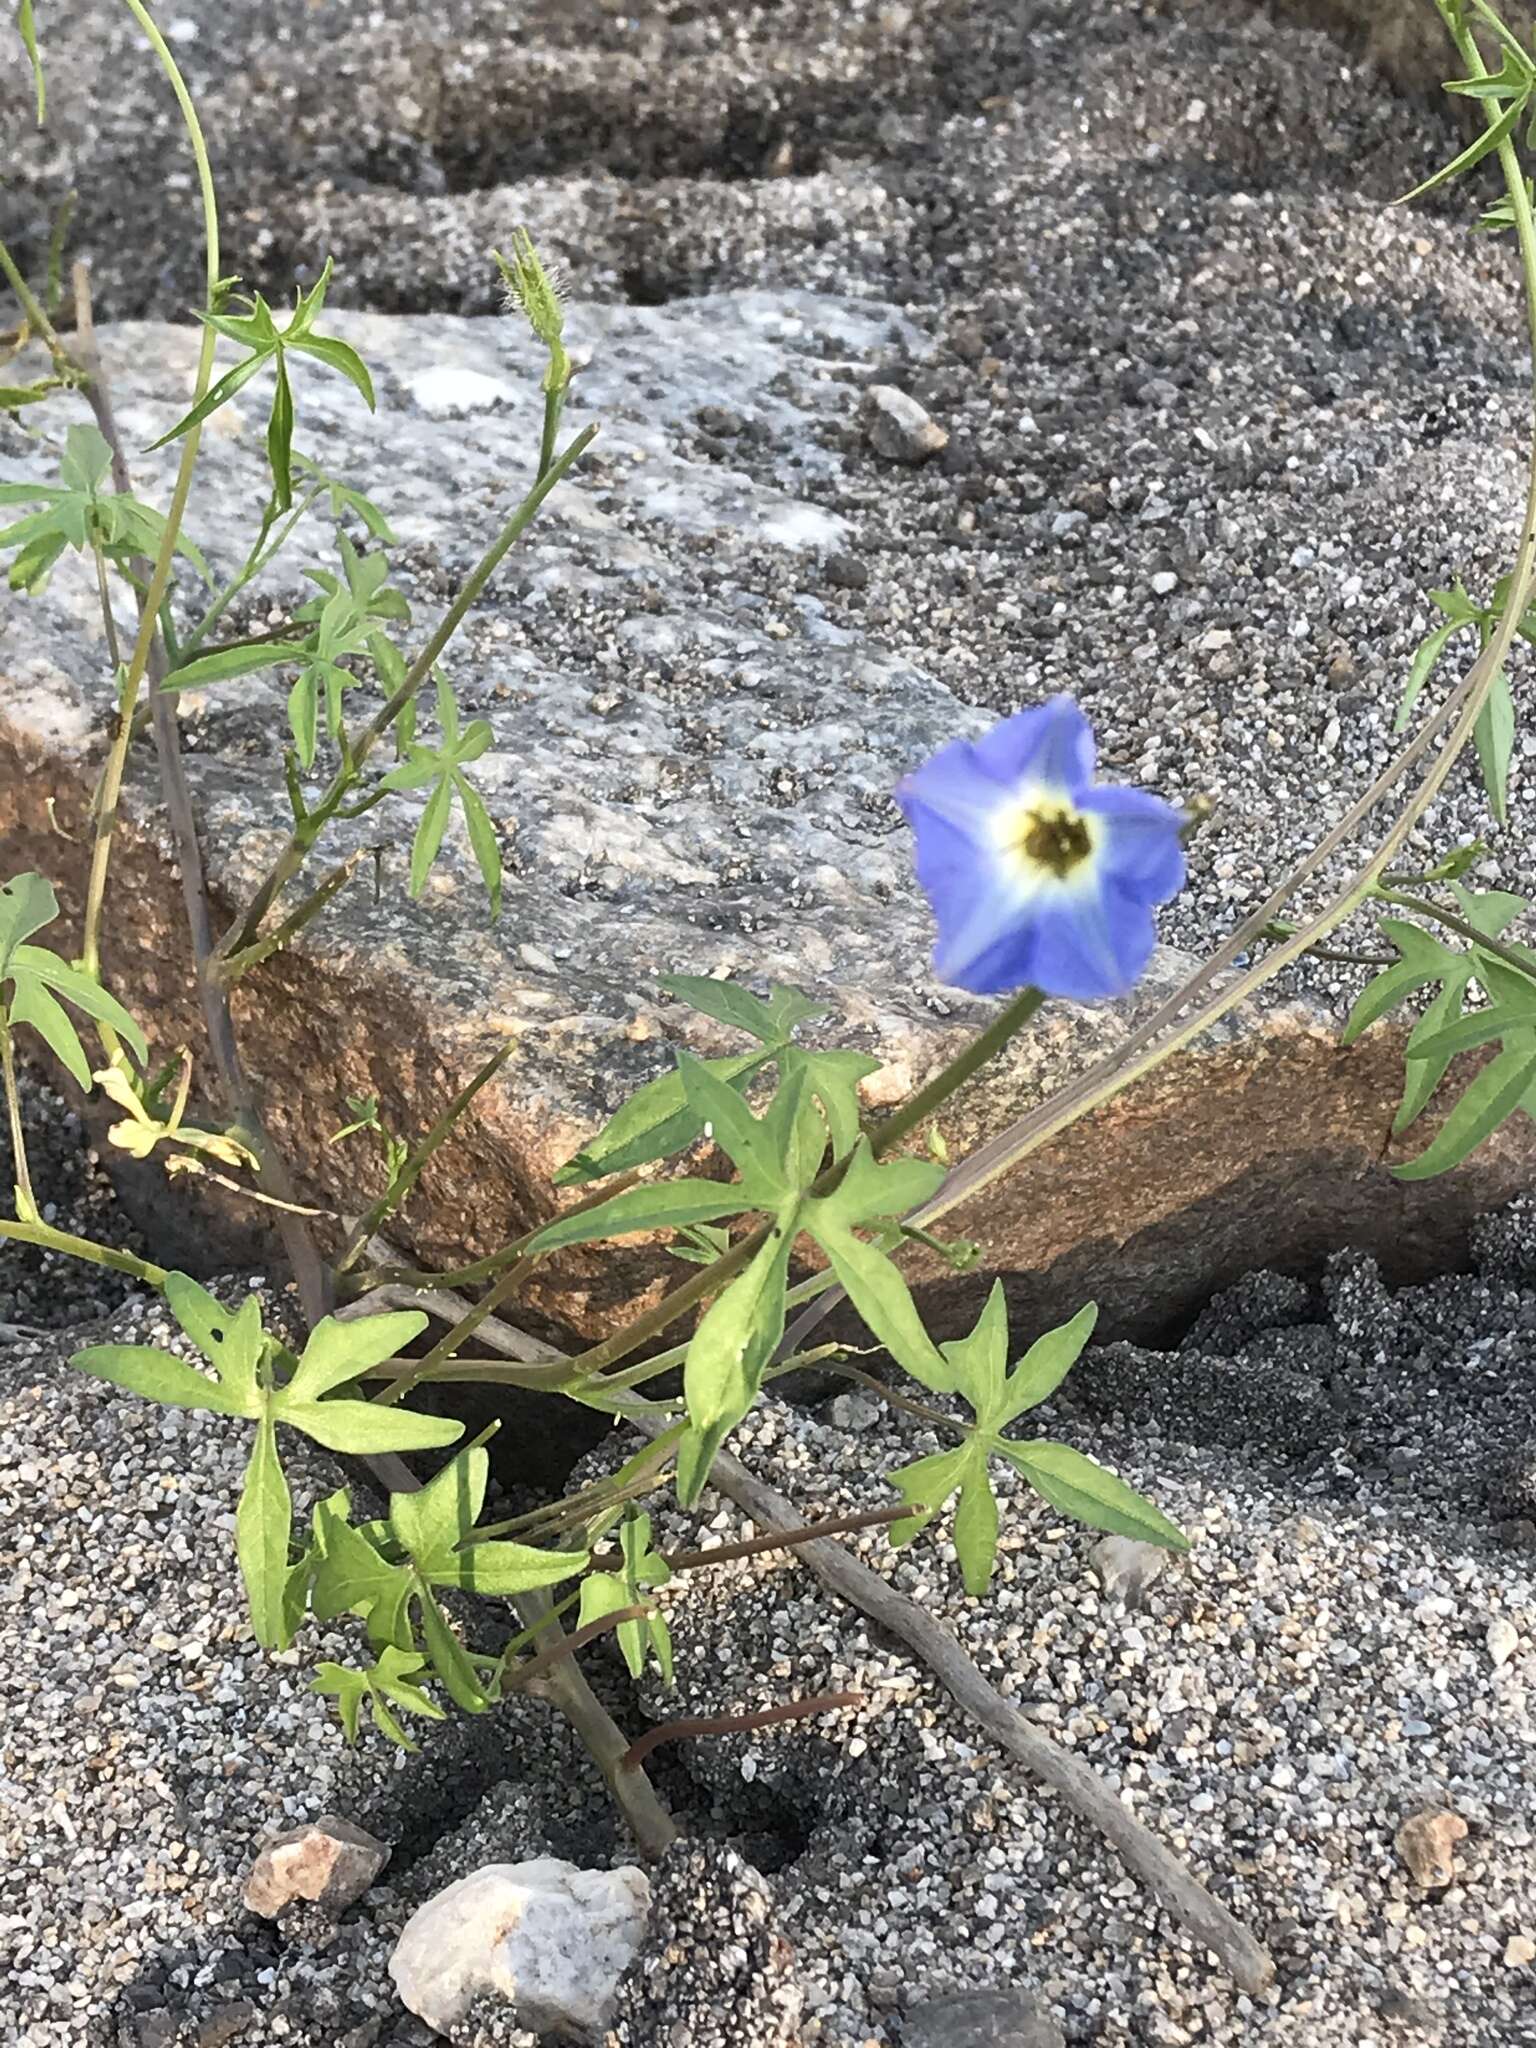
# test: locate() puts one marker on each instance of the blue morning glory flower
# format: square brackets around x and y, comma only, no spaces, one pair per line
[1037,878]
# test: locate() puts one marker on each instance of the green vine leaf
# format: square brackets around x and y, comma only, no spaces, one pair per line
[1444,1029]
[1484,145]
[257,331]
[78,514]
[871,1194]
[977,1368]
[602,1592]
[385,1685]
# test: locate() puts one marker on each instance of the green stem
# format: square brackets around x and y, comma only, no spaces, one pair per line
[984,1047]
[50,1240]
[32,312]
[255,562]
[488,1268]
[1422,906]
[230,967]
[554,405]
[26,1201]
[160,574]
[293,855]
[380,1211]
[933,1417]
[445,1347]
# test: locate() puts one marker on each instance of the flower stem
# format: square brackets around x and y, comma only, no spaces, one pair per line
[985,1046]
[26,1201]
[291,859]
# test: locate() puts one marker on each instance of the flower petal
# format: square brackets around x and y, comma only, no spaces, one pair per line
[1051,745]
[1090,946]
[986,934]
[1140,847]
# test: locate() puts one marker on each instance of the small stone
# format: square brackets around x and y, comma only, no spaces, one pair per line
[551,1939]
[719,419]
[1503,1639]
[330,1862]
[1518,1951]
[1127,1568]
[853,1411]
[846,572]
[898,426]
[1426,1842]
[1164,583]
[982,2019]
[1067,522]
[225,2025]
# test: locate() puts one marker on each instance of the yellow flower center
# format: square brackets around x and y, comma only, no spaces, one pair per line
[1055,838]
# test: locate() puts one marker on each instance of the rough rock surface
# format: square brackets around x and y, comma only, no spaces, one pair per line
[1213,409]
[329,1863]
[549,1940]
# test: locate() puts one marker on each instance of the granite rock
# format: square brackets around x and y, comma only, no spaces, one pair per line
[329,1862]
[549,1939]
[1211,351]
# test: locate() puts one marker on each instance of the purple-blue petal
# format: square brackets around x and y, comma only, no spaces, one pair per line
[1095,945]
[1004,925]
[1051,744]
[1141,846]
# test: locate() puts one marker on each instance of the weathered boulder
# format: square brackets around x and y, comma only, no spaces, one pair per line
[691,765]
[1217,417]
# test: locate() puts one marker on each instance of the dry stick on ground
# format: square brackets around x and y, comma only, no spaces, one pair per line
[1169,1880]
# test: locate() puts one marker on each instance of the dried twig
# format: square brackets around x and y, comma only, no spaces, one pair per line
[1083,1790]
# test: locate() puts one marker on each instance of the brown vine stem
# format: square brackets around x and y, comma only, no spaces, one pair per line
[531,1669]
[688,1727]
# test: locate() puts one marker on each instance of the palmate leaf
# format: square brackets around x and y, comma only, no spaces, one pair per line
[655,1122]
[257,330]
[1442,1031]
[352,1577]
[978,1369]
[728,1002]
[1505,1084]
[869,1194]
[734,1341]
[603,1592]
[434,1524]
[661,1118]
[78,514]
[1076,1486]
[385,1685]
